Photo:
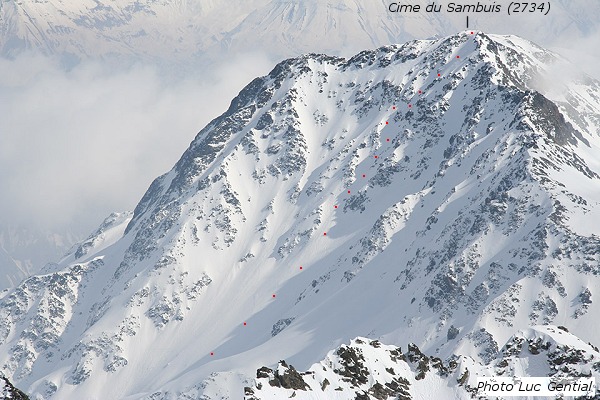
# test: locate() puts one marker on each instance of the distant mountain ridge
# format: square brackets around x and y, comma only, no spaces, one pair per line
[24,251]
[184,29]
[419,193]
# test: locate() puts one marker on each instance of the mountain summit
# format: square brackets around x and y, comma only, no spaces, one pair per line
[430,193]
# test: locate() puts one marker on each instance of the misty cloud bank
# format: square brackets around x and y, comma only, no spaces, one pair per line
[78,144]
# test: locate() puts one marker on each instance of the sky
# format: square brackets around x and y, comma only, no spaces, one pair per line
[583,53]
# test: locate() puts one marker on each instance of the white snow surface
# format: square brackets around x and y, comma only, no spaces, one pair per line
[238,257]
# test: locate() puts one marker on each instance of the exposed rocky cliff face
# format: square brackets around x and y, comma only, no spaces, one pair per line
[9,391]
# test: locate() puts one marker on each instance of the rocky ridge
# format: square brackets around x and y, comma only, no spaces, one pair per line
[8,391]
[369,370]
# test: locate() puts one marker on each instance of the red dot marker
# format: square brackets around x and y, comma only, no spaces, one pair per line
[244,324]
[439,74]
[420,92]
[387,140]
[300,267]
[457,56]
[386,122]
[324,233]
[364,176]
[333,207]
[273,296]
[376,156]
[393,108]
[471,33]
[410,105]
[212,354]
[348,192]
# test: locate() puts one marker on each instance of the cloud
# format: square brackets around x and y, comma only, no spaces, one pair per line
[78,144]
[581,52]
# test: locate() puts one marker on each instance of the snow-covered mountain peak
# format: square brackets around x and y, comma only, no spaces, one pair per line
[420,193]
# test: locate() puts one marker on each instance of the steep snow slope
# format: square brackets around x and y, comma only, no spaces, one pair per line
[184,28]
[417,193]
